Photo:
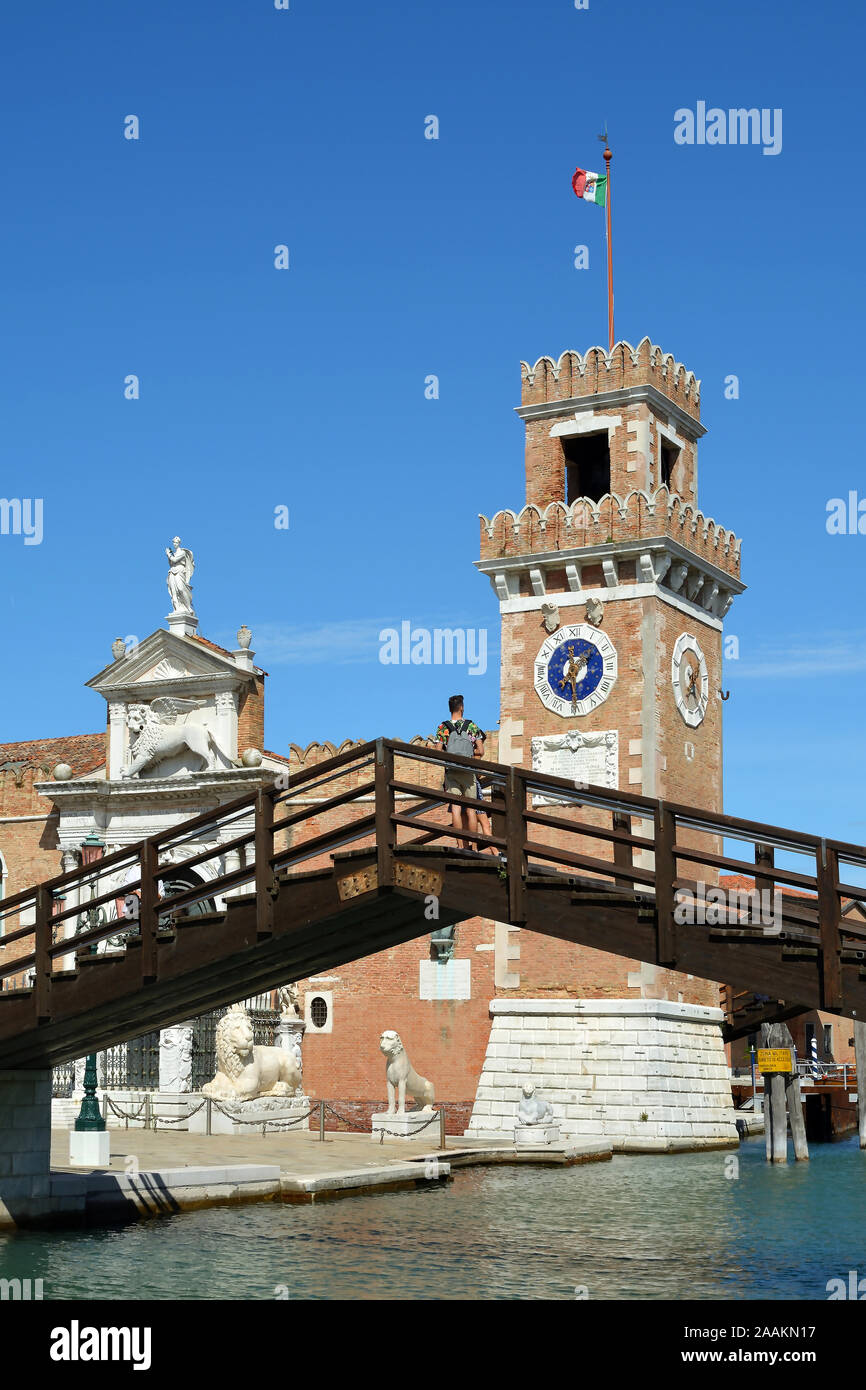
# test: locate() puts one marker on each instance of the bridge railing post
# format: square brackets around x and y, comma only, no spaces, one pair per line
[42,964]
[622,854]
[665,874]
[765,859]
[830,934]
[148,910]
[265,878]
[515,841]
[386,831]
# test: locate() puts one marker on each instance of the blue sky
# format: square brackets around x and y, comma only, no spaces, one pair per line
[410,257]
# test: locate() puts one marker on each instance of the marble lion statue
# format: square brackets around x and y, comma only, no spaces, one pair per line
[245,1071]
[401,1077]
[158,737]
[532,1110]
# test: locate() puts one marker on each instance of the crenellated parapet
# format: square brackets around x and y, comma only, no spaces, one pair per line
[423,774]
[637,516]
[598,370]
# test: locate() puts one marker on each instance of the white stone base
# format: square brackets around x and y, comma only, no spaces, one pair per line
[89,1148]
[414,1124]
[535,1136]
[247,1117]
[644,1073]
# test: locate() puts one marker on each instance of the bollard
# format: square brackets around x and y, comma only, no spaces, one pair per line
[147,1110]
[207,1128]
[322,1121]
[442,1126]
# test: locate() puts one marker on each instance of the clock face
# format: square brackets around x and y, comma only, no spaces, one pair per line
[690,680]
[575,670]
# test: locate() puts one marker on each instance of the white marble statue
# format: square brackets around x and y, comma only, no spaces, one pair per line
[288,997]
[180,571]
[532,1110]
[158,737]
[245,1071]
[175,1058]
[402,1077]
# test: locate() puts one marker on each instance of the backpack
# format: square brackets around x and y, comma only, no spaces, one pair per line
[459,740]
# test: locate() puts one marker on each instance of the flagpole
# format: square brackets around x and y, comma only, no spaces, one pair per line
[607,159]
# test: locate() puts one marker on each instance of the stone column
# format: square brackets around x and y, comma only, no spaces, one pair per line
[78,1084]
[290,1036]
[175,1058]
[116,738]
[25,1145]
[226,730]
[69,925]
[233,862]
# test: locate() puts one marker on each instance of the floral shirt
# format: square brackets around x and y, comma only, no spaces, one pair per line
[467,726]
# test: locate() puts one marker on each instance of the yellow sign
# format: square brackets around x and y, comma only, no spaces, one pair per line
[775,1059]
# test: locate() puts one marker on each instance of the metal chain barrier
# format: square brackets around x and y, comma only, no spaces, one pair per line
[394,1134]
[344,1118]
[125,1114]
[177,1119]
[263,1124]
[276,1125]
[382,1132]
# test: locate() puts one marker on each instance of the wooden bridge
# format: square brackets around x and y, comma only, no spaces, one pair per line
[605,869]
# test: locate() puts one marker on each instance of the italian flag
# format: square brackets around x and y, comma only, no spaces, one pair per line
[591,187]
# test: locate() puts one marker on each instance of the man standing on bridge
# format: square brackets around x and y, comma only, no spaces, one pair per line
[463,737]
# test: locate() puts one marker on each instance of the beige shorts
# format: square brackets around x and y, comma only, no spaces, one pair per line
[460,781]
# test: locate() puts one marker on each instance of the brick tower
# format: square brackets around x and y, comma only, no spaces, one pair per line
[612,588]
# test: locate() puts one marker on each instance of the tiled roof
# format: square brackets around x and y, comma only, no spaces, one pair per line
[83,752]
[280,757]
[223,651]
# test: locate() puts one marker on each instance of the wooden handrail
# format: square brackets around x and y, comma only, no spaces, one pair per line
[819,917]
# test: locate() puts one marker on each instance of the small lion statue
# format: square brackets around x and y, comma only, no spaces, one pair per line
[245,1071]
[532,1110]
[401,1077]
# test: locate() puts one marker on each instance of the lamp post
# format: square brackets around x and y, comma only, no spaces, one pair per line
[90,1116]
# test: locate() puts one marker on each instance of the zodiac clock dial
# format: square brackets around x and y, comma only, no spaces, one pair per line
[575,670]
[690,679]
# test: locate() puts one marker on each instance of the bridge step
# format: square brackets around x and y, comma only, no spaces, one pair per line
[197,919]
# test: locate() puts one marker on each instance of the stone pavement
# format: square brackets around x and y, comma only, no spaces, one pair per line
[297,1152]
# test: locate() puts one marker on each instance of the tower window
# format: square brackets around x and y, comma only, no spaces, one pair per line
[587,466]
[670,457]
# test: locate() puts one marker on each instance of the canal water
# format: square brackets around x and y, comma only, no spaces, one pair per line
[666,1227]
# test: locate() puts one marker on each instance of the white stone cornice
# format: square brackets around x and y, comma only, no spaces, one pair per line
[694,584]
[663,567]
[627,395]
[677,576]
[630,592]
[646,568]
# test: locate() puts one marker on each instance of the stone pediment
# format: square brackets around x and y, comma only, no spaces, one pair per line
[169,662]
